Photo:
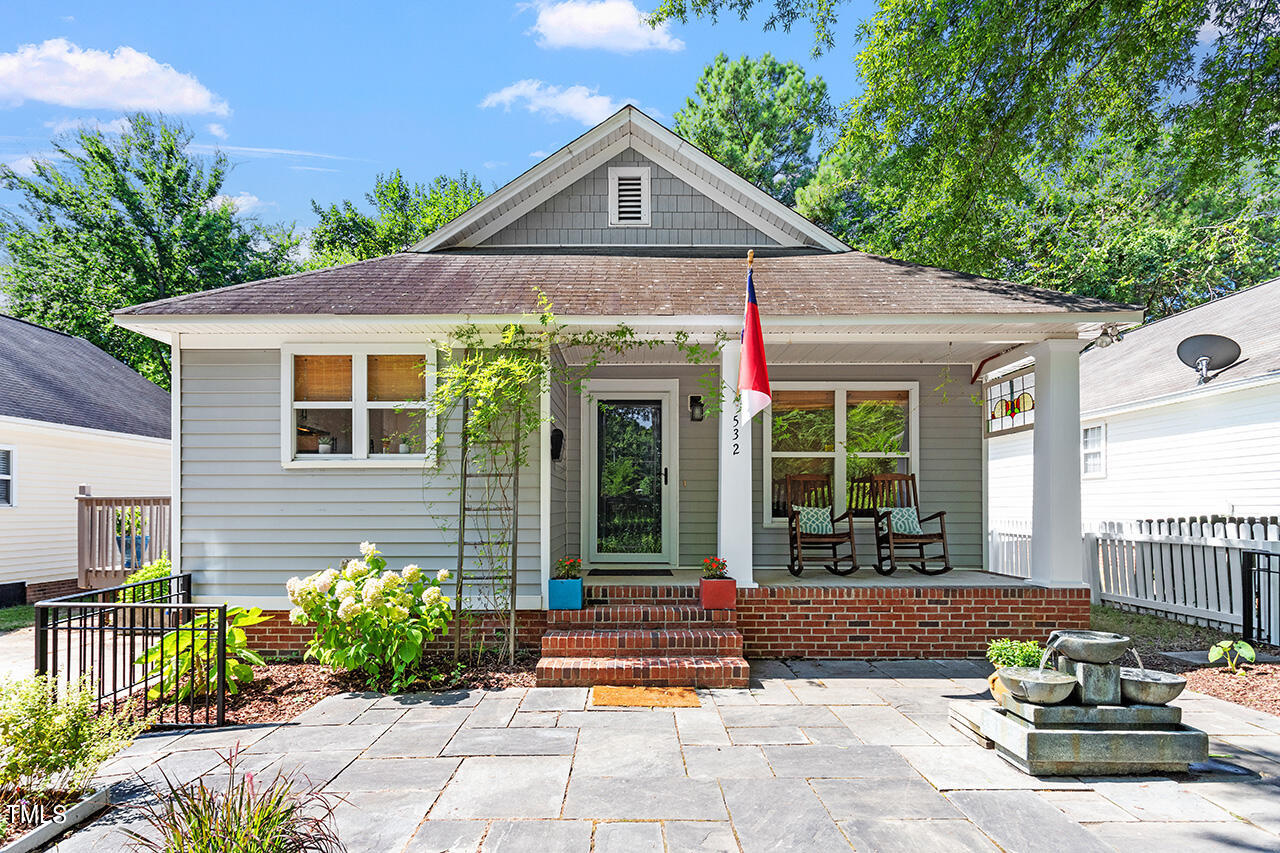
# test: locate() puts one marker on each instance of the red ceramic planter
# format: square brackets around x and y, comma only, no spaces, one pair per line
[718,593]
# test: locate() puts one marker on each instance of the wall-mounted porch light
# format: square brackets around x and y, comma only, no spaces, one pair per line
[697,411]
[557,443]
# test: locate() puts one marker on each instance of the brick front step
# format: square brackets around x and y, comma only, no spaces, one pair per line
[639,642]
[651,594]
[640,616]
[643,671]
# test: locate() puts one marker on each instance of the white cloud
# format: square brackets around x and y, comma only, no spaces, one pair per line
[62,73]
[217,130]
[242,202]
[538,154]
[264,152]
[615,25]
[64,125]
[575,102]
[311,169]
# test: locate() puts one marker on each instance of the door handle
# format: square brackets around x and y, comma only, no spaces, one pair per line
[664,476]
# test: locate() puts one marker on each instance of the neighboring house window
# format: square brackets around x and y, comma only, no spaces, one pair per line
[629,196]
[356,406]
[1093,451]
[845,430]
[6,476]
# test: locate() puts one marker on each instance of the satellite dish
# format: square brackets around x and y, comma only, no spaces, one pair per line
[1205,353]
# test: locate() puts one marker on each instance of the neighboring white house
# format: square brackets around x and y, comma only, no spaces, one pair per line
[1155,442]
[69,414]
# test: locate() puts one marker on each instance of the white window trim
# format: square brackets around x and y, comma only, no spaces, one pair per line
[360,456]
[11,476]
[1101,451]
[839,480]
[646,195]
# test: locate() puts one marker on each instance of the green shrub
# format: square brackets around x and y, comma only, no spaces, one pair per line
[161,568]
[371,620]
[185,660]
[1006,652]
[245,814]
[54,737]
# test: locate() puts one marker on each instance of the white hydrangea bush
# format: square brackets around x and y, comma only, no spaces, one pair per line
[370,619]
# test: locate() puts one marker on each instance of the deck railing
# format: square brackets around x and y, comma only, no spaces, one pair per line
[144,642]
[118,535]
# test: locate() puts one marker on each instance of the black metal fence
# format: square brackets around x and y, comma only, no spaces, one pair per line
[1260,587]
[143,642]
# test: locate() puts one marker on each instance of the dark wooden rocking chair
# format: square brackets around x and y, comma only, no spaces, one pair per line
[814,490]
[899,490]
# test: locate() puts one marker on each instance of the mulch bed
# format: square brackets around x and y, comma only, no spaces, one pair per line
[1258,688]
[283,689]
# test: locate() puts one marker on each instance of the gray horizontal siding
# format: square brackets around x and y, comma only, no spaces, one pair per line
[248,524]
[950,461]
[579,215]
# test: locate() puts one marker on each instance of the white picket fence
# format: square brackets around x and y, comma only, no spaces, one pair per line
[1009,548]
[1184,569]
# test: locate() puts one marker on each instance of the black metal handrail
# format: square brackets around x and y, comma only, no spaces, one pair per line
[117,637]
[1260,591]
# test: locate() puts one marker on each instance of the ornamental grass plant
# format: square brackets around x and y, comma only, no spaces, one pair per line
[249,813]
[372,620]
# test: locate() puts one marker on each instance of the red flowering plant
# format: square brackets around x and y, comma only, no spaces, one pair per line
[714,568]
[568,568]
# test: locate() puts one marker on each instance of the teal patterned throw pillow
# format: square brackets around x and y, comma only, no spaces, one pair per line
[903,520]
[815,520]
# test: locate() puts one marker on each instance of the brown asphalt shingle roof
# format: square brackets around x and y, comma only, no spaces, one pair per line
[624,282]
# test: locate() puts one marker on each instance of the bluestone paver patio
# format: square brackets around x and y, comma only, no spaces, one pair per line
[771,768]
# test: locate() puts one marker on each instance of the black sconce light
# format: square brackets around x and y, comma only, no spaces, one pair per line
[696,410]
[557,443]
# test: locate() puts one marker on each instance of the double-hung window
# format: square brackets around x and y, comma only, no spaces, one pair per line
[357,406]
[845,430]
[1093,451]
[6,477]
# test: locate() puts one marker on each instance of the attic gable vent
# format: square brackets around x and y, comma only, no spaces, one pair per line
[629,196]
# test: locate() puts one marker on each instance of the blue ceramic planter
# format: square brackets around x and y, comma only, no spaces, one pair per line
[132,549]
[564,595]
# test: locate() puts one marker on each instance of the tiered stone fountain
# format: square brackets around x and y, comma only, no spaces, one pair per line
[1086,715]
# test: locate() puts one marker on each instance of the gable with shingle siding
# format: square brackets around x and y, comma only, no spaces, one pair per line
[579,216]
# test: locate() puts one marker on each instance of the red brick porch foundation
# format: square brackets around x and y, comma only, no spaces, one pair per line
[278,638]
[900,622]
[822,622]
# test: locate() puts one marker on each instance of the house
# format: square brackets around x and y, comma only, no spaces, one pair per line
[70,414]
[628,224]
[1155,441]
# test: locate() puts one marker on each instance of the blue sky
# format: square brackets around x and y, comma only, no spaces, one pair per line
[311,100]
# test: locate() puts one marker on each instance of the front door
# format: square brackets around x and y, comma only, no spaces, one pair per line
[630,482]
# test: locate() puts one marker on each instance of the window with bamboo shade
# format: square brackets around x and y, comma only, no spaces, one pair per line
[395,378]
[365,406]
[322,378]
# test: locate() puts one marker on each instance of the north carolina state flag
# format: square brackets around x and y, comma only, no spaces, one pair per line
[753,373]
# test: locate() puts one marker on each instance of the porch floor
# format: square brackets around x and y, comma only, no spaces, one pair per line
[864,577]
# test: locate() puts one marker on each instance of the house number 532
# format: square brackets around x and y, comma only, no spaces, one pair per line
[737,420]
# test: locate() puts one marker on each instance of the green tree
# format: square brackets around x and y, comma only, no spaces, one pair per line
[759,117]
[404,214]
[960,94]
[111,221]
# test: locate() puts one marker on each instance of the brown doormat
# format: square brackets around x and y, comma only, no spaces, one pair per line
[645,697]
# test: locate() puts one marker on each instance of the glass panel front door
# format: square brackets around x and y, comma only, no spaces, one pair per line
[630,479]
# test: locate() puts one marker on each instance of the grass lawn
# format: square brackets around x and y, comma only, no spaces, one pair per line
[18,616]
[1152,633]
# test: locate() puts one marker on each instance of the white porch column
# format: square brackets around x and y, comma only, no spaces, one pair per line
[733,540]
[1057,550]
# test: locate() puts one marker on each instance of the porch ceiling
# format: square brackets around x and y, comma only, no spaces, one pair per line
[900,350]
